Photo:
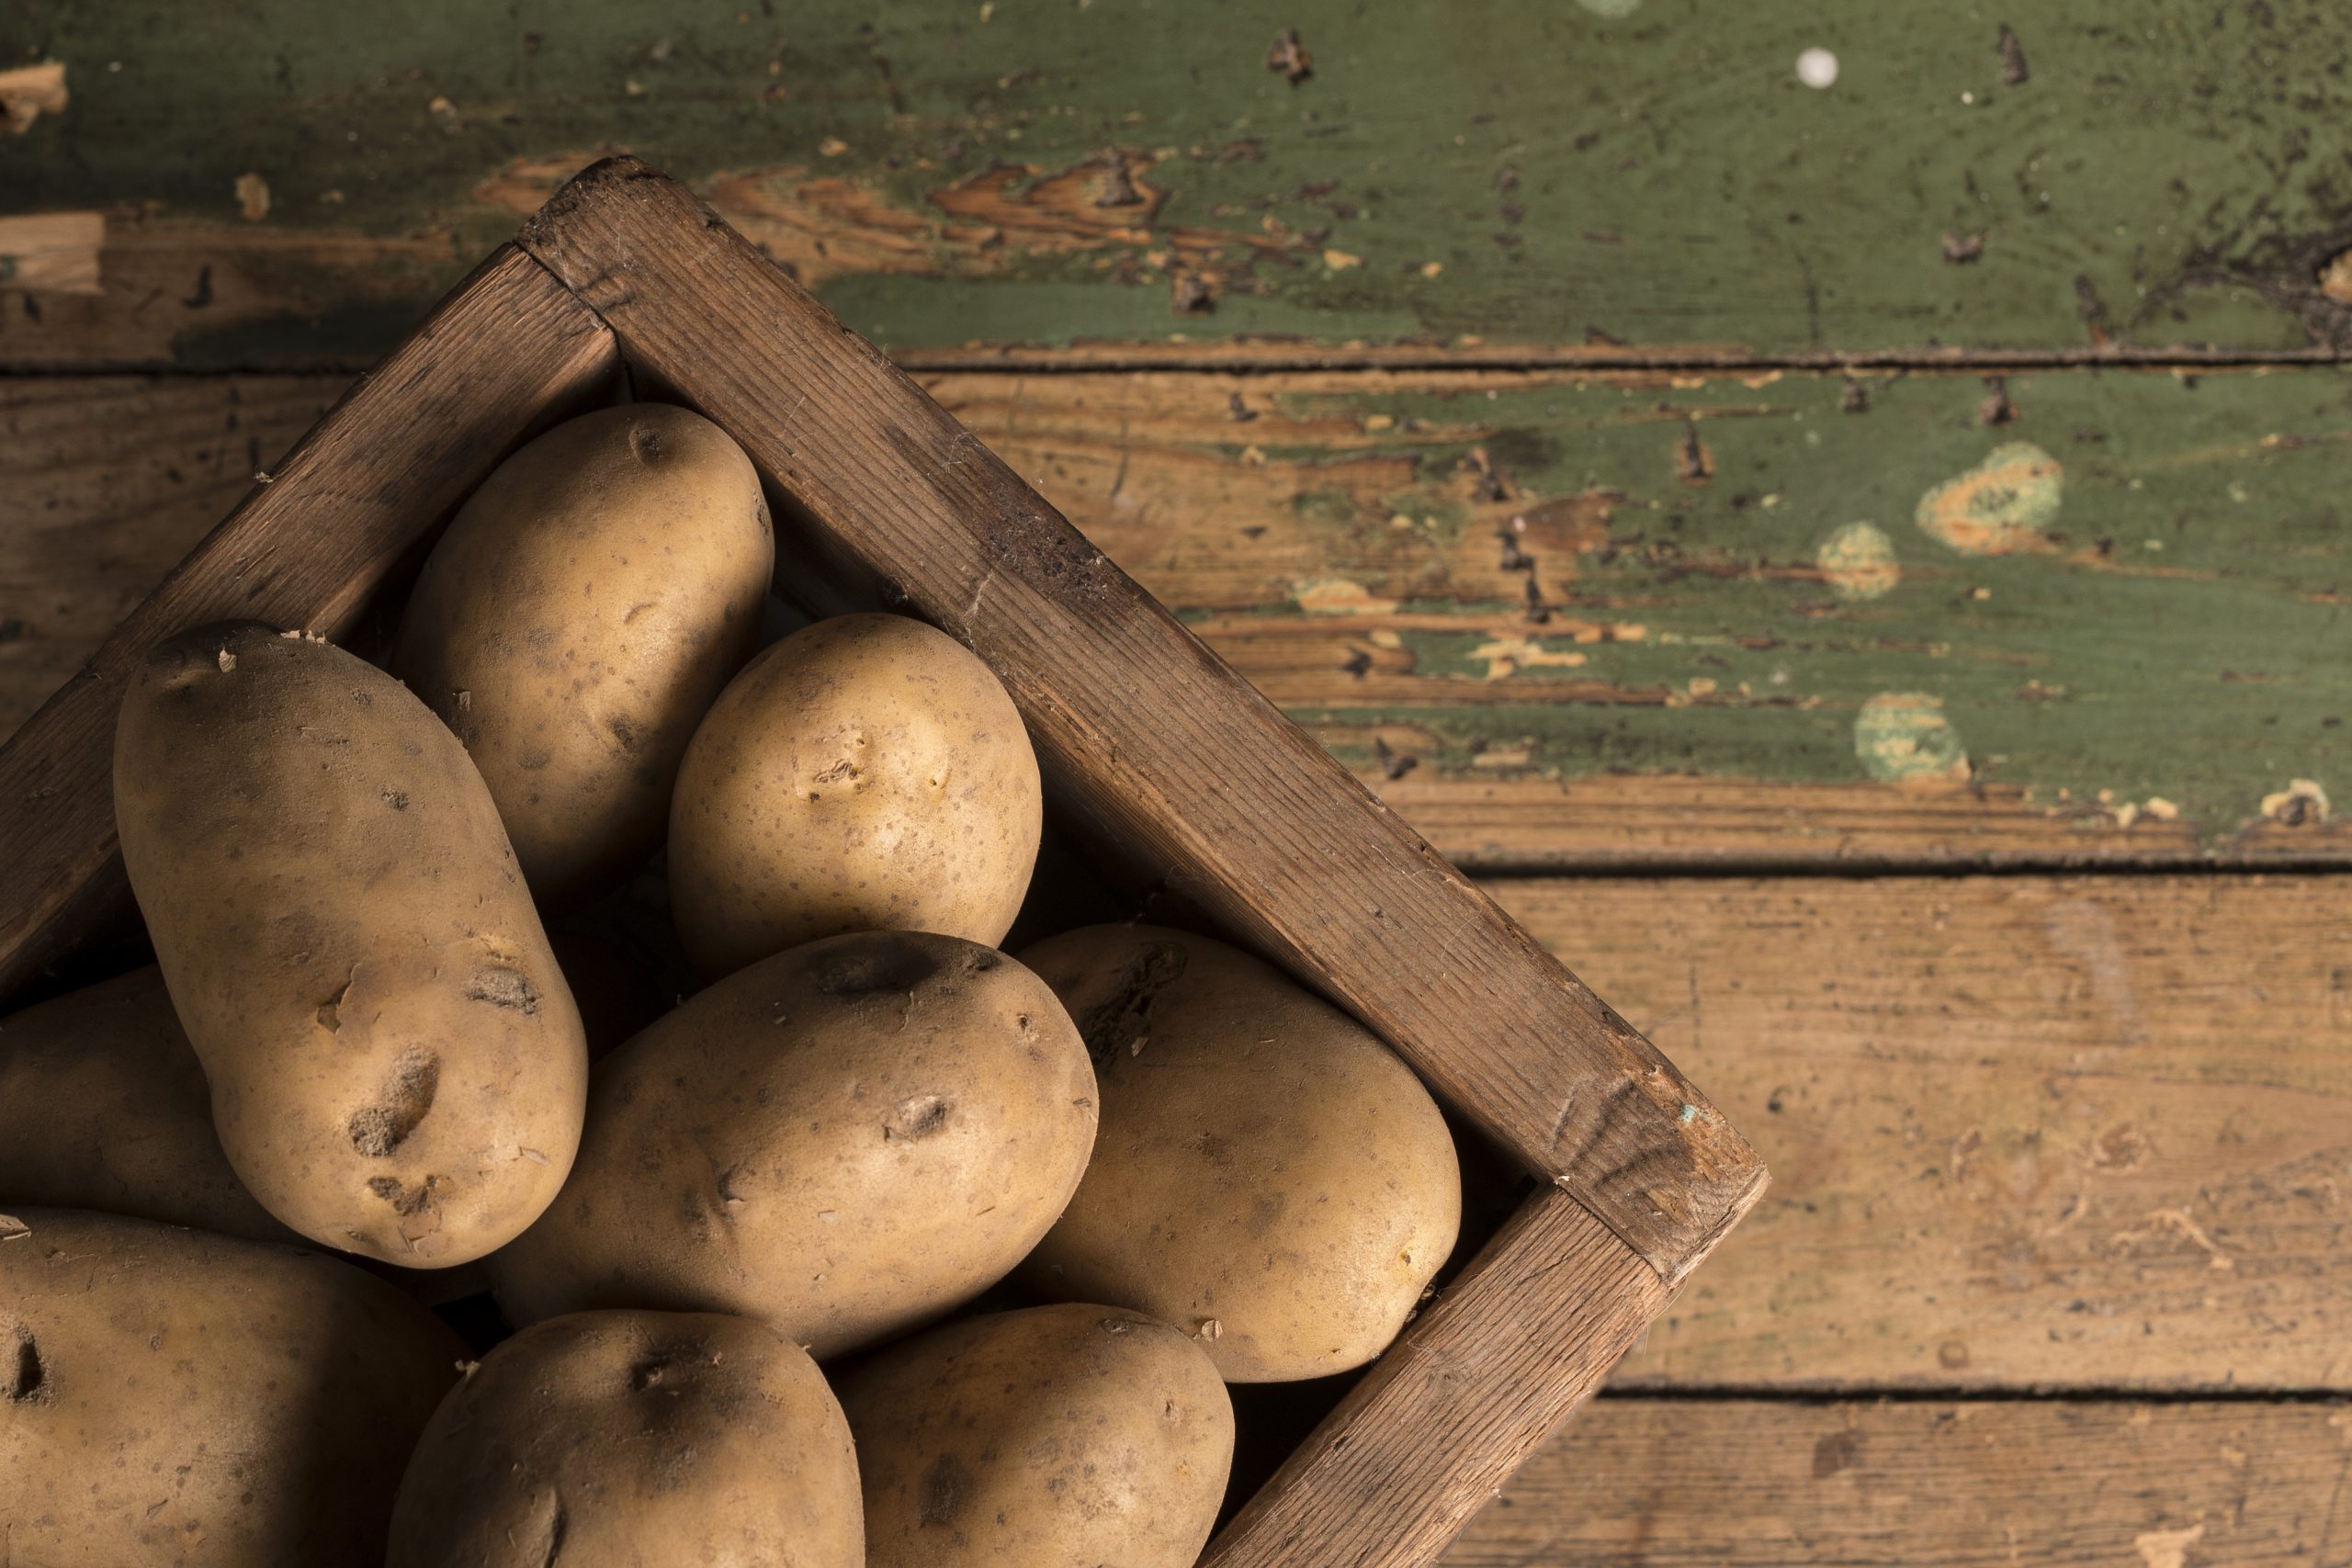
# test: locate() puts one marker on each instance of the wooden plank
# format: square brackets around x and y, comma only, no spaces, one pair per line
[105,483]
[1524,587]
[2026,1131]
[1424,1437]
[2188,686]
[509,353]
[1524,173]
[1738,1483]
[1141,732]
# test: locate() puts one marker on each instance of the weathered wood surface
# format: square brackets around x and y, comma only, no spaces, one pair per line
[1736,1483]
[1424,1437]
[2025,1132]
[1710,676]
[499,361]
[1035,173]
[890,502]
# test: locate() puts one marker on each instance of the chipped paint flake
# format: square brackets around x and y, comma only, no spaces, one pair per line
[1506,657]
[2168,1549]
[2005,505]
[30,92]
[1858,561]
[2302,801]
[52,253]
[1338,596]
[1903,738]
[253,196]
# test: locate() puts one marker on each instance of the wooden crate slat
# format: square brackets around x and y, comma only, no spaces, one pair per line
[502,356]
[1483,1376]
[1140,728]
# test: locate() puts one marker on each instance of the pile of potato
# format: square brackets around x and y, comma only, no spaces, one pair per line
[739,1255]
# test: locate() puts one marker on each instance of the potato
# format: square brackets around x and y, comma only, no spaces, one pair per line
[866,773]
[396,1063]
[1268,1174]
[168,1396]
[1062,1437]
[845,1140]
[610,1439]
[577,619]
[103,1106]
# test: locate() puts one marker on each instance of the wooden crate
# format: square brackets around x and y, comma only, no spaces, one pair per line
[1154,750]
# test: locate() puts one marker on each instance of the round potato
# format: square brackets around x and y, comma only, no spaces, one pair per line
[168,1396]
[866,773]
[397,1066]
[1062,1437]
[845,1140]
[103,1106]
[576,620]
[1268,1176]
[612,1439]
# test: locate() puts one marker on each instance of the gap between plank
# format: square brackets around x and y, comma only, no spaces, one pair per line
[1243,357]
[1865,868]
[1724,1394]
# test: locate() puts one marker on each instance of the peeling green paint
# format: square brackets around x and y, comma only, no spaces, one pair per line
[1513,170]
[1904,736]
[2185,638]
[2006,503]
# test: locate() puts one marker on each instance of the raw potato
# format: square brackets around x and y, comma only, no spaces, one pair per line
[103,1106]
[612,1439]
[845,1140]
[866,773]
[172,1397]
[397,1067]
[1269,1176]
[1063,1437]
[576,621]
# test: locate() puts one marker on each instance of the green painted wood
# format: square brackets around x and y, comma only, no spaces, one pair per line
[1545,173]
[2126,607]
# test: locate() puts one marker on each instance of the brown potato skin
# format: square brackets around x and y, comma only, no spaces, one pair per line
[867,773]
[1061,1436]
[577,619]
[397,1066]
[614,1439]
[104,1106]
[845,1140]
[199,1401]
[1265,1163]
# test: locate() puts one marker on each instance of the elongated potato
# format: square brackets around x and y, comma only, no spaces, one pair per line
[866,774]
[845,1140]
[576,620]
[103,1106]
[396,1063]
[612,1439]
[1268,1175]
[168,1396]
[1063,1437]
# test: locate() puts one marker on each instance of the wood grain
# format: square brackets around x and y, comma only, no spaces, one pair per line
[1693,691]
[1738,1483]
[501,358]
[1518,172]
[1443,1418]
[1141,730]
[2026,1131]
